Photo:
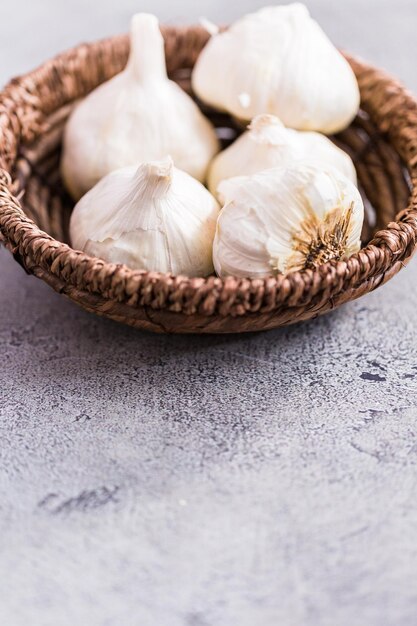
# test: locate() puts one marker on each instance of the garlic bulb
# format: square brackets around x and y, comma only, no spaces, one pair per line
[152,217]
[139,115]
[278,60]
[267,143]
[286,219]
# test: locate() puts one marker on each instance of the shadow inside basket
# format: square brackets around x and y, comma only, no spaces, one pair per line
[383,180]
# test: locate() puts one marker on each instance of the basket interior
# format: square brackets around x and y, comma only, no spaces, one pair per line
[384,181]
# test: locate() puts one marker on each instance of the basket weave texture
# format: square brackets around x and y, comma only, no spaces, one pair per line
[35,209]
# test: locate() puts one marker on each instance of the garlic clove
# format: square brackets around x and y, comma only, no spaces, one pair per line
[268,143]
[279,61]
[139,115]
[153,217]
[286,219]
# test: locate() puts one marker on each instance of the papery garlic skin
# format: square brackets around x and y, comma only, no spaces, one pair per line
[286,219]
[267,143]
[139,115]
[153,217]
[279,61]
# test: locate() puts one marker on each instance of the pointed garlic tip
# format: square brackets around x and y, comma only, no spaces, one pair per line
[298,9]
[264,120]
[147,54]
[268,129]
[209,26]
[244,100]
[154,178]
[162,169]
[293,11]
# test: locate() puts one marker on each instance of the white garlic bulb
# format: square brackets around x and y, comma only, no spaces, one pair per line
[267,143]
[279,61]
[152,217]
[286,219]
[139,115]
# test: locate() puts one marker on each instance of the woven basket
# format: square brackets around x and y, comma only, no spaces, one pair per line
[35,210]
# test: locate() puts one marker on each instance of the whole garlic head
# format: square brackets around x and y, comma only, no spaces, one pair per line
[139,115]
[267,143]
[153,217]
[279,61]
[286,219]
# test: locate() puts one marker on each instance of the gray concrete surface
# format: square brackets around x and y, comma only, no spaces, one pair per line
[262,480]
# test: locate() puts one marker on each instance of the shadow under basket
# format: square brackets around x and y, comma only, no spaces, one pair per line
[35,209]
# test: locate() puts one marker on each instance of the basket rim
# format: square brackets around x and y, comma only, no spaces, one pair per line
[34,248]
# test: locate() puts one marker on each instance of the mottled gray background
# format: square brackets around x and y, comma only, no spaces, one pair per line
[262,480]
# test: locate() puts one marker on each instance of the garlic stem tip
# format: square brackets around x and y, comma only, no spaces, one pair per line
[160,169]
[209,26]
[263,120]
[147,53]
[143,21]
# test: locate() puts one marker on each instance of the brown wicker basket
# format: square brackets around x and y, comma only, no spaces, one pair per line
[35,210]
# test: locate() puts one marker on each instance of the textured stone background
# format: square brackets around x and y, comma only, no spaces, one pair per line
[266,480]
